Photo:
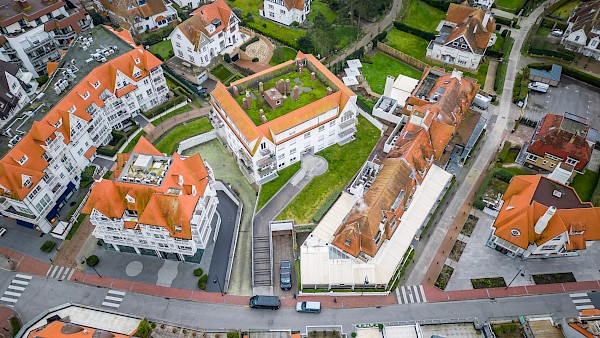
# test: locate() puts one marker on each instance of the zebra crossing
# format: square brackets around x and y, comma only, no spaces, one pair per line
[60,272]
[410,294]
[113,299]
[581,301]
[15,289]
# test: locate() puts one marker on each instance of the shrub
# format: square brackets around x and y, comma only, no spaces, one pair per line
[414,31]
[503,175]
[47,246]
[381,36]
[249,42]
[479,204]
[87,176]
[144,329]
[295,24]
[238,12]
[198,272]
[93,260]
[305,44]
[249,17]
[264,25]
[233,334]
[441,4]
[505,21]
[153,325]
[227,58]
[202,282]
[254,59]
[551,53]
[42,80]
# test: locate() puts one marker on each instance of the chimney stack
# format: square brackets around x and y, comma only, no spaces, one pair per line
[280,86]
[236,91]
[288,87]
[246,103]
[295,93]
[542,222]
[263,118]
[312,76]
[329,91]
[260,87]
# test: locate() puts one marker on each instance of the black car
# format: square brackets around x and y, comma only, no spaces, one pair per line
[285,275]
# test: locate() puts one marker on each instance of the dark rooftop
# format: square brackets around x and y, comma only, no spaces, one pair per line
[548,191]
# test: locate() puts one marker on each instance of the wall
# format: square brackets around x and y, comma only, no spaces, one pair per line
[420,65]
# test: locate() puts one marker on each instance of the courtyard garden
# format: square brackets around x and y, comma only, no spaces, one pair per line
[281,55]
[380,66]
[169,141]
[163,48]
[407,43]
[564,11]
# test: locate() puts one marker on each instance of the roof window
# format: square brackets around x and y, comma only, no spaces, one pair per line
[347,241]
[23,159]
[96,84]
[515,232]
[137,60]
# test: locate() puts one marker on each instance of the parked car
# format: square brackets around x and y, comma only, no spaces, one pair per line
[539,87]
[557,33]
[265,302]
[285,275]
[310,307]
[2,231]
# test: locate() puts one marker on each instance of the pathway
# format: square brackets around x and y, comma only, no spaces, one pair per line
[311,166]
[70,249]
[491,76]
[156,132]
[261,65]
[431,261]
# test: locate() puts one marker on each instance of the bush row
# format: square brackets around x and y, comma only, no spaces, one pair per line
[414,31]
[503,67]
[551,23]
[249,42]
[551,53]
[440,4]
[325,207]
[157,36]
[505,21]
[164,106]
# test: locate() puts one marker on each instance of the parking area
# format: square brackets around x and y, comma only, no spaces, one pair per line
[570,96]
[25,240]
[283,250]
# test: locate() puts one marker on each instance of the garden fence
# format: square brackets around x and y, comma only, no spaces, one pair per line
[420,65]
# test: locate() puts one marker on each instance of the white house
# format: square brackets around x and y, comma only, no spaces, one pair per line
[583,32]
[463,37]
[43,169]
[211,30]
[35,36]
[156,205]
[145,15]
[14,87]
[190,4]
[396,92]
[484,4]
[285,11]
[265,141]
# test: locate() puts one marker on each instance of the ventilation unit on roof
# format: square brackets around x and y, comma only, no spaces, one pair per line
[556,193]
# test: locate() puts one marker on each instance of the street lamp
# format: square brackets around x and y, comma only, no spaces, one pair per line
[365,284]
[520,272]
[216,280]
[84,261]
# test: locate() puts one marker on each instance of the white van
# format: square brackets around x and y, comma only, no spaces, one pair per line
[311,307]
[538,87]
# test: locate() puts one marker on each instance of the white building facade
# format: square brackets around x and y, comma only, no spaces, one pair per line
[583,31]
[143,15]
[286,11]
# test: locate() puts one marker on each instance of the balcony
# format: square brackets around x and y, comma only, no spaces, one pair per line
[8,49]
[64,35]
[245,157]
[265,152]
[38,44]
[265,161]
[347,123]
[345,133]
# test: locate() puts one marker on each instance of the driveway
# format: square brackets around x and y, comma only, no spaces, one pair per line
[25,240]
[283,250]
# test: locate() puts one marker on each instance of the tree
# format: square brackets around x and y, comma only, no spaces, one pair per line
[144,329]
[305,44]
[322,30]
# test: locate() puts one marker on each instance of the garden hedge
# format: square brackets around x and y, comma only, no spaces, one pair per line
[551,53]
[47,246]
[551,23]
[505,21]
[249,42]
[414,31]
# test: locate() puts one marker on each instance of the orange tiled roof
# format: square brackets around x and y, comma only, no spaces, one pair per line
[195,26]
[469,24]
[131,7]
[90,152]
[60,329]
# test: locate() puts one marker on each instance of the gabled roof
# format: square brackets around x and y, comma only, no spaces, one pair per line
[59,329]
[556,136]
[297,4]
[202,17]
[469,24]
[587,17]
[125,8]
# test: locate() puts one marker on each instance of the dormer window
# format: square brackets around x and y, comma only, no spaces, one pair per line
[130,199]
[27,181]
[347,242]
[137,61]
[96,84]
[58,124]
[22,160]
[72,109]
[137,74]
[515,232]
[86,95]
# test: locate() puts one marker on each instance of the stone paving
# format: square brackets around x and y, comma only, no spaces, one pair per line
[258,49]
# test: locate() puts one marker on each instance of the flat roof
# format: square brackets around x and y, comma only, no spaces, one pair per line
[350,80]
[352,72]
[43,103]
[354,63]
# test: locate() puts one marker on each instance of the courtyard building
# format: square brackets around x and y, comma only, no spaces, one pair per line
[363,239]
[285,11]
[212,30]
[15,84]
[567,140]
[463,37]
[139,15]
[583,31]
[34,32]
[543,218]
[42,168]
[155,204]
[270,119]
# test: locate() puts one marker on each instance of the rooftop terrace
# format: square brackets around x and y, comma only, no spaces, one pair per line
[309,92]
[73,67]
[145,169]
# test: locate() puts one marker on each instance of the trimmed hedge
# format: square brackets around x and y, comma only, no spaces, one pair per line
[551,23]
[505,21]
[249,42]
[111,150]
[164,106]
[551,53]
[504,151]
[325,207]
[414,31]
[157,36]
[503,175]
[47,246]
[93,260]
[440,4]
[198,272]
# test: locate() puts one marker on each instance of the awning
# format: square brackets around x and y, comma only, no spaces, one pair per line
[160,18]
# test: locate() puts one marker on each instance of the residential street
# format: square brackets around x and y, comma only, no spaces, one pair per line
[506,113]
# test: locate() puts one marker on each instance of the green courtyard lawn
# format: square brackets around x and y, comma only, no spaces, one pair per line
[407,43]
[281,55]
[511,5]
[344,162]
[169,142]
[422,16]
[383,65]
[134,141]
[564,11]
[319,6]
[163,48]
[177,111]
[543,31]
[269,189]
[584,184]
[221,73]
[481,72]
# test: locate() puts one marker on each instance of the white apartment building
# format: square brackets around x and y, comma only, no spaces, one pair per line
[285,11]
[36,36]
[463,37]
[210,31]
[583,32]
[143,15]
[15,84]
[266,147]
[156,205]
[43,169]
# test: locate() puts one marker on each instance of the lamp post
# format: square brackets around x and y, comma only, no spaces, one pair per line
[84,261]
[216,280]
[520,272]
[365,284]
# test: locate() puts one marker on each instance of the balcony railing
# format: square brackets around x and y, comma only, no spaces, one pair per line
[8,49]
[347,132]
[39,44]
[265,161]
[265,152]
[63,35]
[347,123]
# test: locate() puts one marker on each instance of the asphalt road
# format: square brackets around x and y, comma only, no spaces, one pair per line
[220,257]
[43,293]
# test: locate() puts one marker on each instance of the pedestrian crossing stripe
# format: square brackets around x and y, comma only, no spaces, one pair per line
[14,291]
[581,301]
[113,299]
[60,272]
[408,294]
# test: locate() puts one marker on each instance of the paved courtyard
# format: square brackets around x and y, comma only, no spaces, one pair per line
[25,240]
[480,261]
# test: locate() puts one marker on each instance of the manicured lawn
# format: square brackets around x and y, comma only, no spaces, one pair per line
[169,142]
[162,48]
[177,111]
[422,16]
[319,6]
[407,43]
[384,65]
[512,5]
[134,141]
[221,73]
[344,162]
[281,55]
[498,44]
[564,11]
[543,31]
[481,72]
[270,188]
[318,91]
[344,35]
[585,184]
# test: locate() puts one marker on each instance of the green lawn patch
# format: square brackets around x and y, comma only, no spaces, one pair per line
[321,7]
[512,5]
[344,162]
[584,184]
[269,189]
[134,141]
[422,16]
[543,31]
[221,73]
[481,73]
[281,55]
[485,283]
[383,65]
[407,43]
[169,142]
[163,48]
[564,11]
[177,111]
[75,226]
[318,91]
[344,35]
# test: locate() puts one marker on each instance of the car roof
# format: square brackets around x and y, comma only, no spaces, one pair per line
[313,304]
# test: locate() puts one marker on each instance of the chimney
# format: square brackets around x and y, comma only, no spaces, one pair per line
[280,86]
[329,91]
[295,93]
[542,223]
[288,87]
[260,87]
[236,91]
[246,103]
[312,76]
[457,74]
[263,118]
[486,18]
[22,3]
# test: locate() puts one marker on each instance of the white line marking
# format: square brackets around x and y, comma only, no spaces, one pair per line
[10,300]
[116,306]
[422,293]
[17,288]
[579,301]
[23,276]
[585,307]
[574,295]
[113,298]
[10,293]
[114,292]
[16,281]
